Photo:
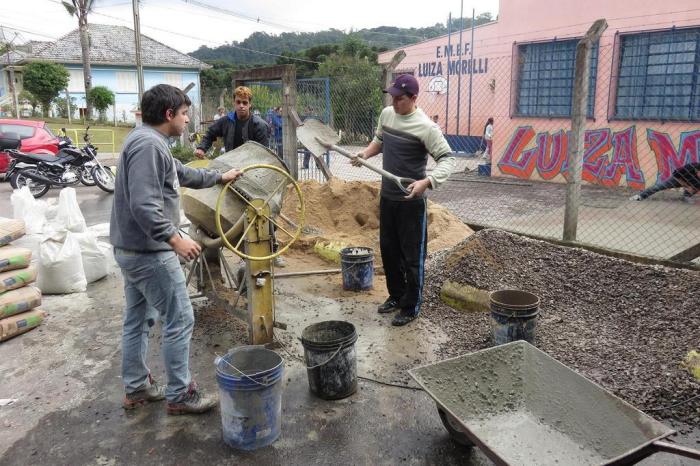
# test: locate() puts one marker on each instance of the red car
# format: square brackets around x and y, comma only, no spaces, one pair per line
[36,138]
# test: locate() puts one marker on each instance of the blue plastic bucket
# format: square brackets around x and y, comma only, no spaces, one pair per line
[357,265]
[250,393]
[513,316]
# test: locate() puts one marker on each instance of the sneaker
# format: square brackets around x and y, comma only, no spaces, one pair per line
[687,199]
[636,197]
[280,262]
[195,401]
[390,305]
[404,317]
[152,392]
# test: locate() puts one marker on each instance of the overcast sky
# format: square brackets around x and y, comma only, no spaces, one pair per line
[187,24]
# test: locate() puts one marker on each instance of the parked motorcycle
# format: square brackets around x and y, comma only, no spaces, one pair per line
[68,167]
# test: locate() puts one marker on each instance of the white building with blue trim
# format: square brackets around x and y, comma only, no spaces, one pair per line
[113,65]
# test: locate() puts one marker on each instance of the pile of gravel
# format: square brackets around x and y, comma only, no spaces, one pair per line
[624,325]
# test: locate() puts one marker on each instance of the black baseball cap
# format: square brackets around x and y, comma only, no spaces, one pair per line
[405,84]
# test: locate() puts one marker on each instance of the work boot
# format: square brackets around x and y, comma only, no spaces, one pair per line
[390,305]
[404,317]
[280,262]
[153,391]
[195,401]
[636,197]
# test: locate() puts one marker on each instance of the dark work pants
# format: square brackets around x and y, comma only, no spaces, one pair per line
[661,186]
[403,239]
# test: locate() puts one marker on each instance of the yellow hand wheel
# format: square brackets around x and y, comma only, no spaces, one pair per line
[259,212]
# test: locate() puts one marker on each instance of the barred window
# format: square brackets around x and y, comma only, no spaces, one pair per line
[659,76]
[546,79]
[126,81]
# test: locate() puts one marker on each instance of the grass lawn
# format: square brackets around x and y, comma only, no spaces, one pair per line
[101,134]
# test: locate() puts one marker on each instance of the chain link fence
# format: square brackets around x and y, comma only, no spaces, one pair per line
[641,140]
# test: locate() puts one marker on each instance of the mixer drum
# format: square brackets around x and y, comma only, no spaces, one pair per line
[200,204]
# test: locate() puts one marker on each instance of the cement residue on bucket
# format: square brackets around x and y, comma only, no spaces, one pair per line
[348,211]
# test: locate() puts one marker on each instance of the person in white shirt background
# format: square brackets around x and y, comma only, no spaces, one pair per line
[488,137]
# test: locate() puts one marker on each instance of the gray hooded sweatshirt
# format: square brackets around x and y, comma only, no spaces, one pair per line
[146,207]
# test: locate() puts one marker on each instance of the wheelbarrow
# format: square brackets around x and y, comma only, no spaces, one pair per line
[521,406]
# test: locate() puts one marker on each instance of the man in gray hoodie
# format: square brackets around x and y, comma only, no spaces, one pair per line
[146,240]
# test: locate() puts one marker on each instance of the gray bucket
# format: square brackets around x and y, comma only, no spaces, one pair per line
[513,316]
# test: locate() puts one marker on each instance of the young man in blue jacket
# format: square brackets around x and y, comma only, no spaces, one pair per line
[146,240]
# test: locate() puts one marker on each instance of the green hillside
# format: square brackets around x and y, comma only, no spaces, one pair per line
[294,44]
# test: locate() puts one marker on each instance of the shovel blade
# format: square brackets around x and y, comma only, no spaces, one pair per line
[312,129]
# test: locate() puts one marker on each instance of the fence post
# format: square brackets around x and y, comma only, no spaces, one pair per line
[289,128]
[387,70]
[579,110]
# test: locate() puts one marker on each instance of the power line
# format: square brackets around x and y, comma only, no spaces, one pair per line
[180,34]
[26,31]
[253,19]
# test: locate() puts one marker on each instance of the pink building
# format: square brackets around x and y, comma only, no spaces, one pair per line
[644,103]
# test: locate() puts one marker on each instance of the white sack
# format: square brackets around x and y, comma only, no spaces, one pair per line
[61,265]
[97,256]
[69,214]
[26,208]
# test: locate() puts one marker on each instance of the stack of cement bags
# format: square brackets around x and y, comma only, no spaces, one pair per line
[18,299]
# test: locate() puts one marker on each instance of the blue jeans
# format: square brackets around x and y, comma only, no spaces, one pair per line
[154,285]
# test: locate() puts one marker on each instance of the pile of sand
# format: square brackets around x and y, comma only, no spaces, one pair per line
[348,212]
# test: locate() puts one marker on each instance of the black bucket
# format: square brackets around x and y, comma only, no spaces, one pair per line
[331,363]
[513,316]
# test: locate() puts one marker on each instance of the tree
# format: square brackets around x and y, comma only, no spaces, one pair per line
[356,99]
[62,106]
[26,97]
[101,98]
[80,9]
[45,80]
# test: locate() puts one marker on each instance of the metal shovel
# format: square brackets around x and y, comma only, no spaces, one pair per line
[319,138]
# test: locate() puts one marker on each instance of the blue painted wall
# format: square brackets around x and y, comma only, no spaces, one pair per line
[126,102]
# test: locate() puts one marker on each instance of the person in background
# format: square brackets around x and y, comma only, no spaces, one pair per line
[436,120]
[488,138]
[144,232]
[687,177]
[405,136]
[277,130]
[220,112]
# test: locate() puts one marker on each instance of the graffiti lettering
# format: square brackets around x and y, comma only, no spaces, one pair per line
[668,158]
[607,156]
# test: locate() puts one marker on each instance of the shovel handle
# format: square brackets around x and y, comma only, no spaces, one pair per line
[676,449]
[401,182]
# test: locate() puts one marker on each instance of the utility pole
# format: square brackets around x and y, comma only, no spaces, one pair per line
[459,57]
[449,60]
[578,125]
[70,122]
[137,45]
[11,84]
[471,75]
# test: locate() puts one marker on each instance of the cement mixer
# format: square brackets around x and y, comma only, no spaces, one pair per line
[245,217]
